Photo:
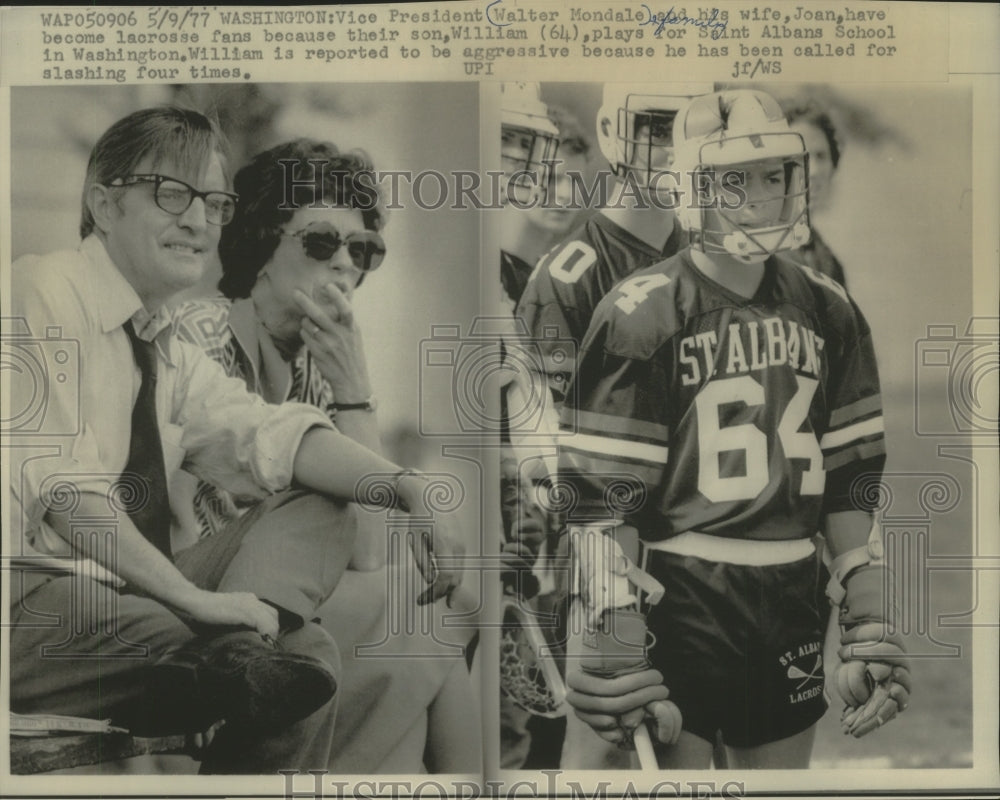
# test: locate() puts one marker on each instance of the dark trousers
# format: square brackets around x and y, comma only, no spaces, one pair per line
[82,648]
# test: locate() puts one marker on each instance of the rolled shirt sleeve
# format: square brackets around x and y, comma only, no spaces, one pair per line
[230,436]
[72,399]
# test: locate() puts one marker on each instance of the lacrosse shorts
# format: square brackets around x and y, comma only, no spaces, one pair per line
[740,647]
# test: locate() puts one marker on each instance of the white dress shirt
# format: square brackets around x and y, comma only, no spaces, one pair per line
[72,398]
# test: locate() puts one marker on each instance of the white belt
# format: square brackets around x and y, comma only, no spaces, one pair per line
[749,552]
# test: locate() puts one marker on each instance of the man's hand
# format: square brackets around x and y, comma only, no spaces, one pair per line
[438,550]
[332,336]
[615,707]
[232,608]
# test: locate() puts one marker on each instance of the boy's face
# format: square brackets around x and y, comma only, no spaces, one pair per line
[291,268]
[160,253]
[758,208]
[765,188]
[562,204]
[521,149]
[653,146]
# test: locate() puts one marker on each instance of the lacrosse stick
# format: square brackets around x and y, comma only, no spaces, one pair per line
[529,672]
[608,582]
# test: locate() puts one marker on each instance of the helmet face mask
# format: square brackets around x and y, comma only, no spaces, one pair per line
[635,130]
[529,142]
[754,209]
[748,177]
[646,143]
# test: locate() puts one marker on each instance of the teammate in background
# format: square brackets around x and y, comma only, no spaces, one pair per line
[741,393]
[820,135]
[529,142]
[634,229]
[541,147]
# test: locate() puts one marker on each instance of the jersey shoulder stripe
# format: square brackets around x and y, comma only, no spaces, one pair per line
[596,423]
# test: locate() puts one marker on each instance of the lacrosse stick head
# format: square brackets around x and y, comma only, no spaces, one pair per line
[529,670]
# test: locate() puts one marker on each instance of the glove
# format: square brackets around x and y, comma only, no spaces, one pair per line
[617,688]
[873,678]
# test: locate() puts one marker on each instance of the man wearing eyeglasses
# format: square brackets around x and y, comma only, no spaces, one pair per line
[109,619]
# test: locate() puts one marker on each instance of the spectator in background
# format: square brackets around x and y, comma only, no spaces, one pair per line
[817,130]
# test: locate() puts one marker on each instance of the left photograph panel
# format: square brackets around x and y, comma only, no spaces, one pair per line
[239,513]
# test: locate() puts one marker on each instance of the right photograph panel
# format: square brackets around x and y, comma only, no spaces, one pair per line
[742,370]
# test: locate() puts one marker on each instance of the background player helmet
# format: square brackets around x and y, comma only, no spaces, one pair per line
[718,139]
[528,139]
[635,127]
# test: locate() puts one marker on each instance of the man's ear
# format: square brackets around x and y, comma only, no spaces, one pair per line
[103,204]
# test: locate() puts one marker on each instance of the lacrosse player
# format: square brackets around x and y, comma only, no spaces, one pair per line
[739,394]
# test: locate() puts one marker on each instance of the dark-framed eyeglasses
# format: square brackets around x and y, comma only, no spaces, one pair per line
[175,197]
[321,241]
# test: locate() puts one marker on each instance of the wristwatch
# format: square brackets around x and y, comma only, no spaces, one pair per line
[365,405]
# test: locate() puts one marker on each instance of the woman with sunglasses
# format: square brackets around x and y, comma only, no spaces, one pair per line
[301,240]
[305,234]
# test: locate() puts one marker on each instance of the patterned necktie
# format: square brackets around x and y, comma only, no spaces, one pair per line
[145,453]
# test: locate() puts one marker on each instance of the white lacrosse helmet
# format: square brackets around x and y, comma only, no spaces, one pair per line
[635,126]
[529,140]
[745,175]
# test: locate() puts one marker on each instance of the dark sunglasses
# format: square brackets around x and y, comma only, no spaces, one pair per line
[175,197]
[321,241]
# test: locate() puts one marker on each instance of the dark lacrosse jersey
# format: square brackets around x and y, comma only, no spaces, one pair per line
[514,272]
[817,254]
[570,280]
[695,409]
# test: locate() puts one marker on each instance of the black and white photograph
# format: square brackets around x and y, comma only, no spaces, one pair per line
[500,398]
[629,344]
[280,295]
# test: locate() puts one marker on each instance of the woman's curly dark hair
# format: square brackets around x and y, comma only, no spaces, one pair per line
[274,185]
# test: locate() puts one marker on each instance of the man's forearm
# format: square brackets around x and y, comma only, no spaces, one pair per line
[334,464]
[133,559]
[847,530]
[361,425]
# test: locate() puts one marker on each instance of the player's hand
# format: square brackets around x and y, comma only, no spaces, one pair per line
[437,548]
[614,707]
[330,332]
[195,744]
[232,608]
[667,720]
[873,677]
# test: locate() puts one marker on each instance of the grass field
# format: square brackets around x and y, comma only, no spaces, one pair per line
[936,730]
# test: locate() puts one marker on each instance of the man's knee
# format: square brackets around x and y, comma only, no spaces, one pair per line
[312,640]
